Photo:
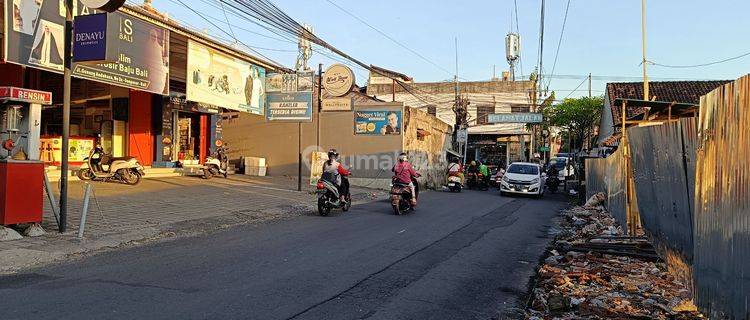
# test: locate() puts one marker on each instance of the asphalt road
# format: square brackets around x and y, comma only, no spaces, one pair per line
[459,256]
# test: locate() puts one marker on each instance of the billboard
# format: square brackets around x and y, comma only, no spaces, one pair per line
[295,106]
[377,122]
[34,38]
[219,79]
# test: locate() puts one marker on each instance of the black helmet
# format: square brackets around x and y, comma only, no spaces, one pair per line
[333,154]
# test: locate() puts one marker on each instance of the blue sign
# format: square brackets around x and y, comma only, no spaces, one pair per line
[377,122]
[295,106]
[514,118]
[90,38]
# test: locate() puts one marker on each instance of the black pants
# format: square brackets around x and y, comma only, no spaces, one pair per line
[344,187]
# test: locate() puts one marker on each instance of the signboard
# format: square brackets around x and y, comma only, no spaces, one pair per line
[316,166]
[34,38]
[289,82]
[337,104]
[105,5]
[25,95]
[289,106]
[543,149]
[514,118]
[377,122]
[338,80]
[222,80]
[462,136]
[90,38]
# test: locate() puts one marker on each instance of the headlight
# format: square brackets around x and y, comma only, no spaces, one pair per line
[535,181]
[505,178]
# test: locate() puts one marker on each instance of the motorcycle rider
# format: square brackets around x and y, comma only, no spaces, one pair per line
[455,169]
[485,172]
[335,173]
[403,172]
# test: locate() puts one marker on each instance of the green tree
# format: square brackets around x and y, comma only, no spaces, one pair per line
[577,116]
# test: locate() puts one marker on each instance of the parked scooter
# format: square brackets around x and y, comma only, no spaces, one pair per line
[329,197]
[99,166]
[218,163]
[401,197]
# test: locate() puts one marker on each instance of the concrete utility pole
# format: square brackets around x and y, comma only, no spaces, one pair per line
[646,95]
[589,84]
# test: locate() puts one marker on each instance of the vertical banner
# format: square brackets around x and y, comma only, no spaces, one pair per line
[377,122]
[316,166]
[219,79]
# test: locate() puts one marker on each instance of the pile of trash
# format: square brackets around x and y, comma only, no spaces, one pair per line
[595,272]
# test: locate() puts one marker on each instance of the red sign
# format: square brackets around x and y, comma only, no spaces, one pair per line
[26,95]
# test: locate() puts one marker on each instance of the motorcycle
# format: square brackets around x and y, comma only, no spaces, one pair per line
[401,197]
[552,183]
[216,164]
[454,184]
[329,197]
[472,180]
[99,166]
[482,183]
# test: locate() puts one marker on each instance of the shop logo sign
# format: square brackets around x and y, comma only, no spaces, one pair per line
[90,38]
[338,80]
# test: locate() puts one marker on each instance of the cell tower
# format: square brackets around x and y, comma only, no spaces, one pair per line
[512,51]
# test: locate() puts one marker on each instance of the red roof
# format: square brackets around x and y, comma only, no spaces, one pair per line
[665,91]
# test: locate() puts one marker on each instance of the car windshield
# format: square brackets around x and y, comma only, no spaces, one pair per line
[559,164]
[523,169]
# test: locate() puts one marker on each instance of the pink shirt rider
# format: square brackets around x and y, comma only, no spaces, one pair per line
[403,172]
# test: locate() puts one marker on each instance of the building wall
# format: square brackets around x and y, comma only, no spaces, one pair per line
[427,151]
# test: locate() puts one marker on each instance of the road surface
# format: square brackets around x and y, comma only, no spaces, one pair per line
[459,256]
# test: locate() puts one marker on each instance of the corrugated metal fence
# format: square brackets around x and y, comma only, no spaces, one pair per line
[722,210]
[692,186]
[662,183]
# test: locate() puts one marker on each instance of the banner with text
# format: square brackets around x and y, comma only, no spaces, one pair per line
[222,80]
[289,106]
[377,122]
[514,118]
[34,38]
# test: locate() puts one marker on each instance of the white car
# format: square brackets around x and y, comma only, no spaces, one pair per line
[523,178]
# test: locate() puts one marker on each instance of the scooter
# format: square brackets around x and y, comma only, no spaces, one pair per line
[552,183]
[216,164]
[454,184]
[99,166]
[401,197]
[329,197]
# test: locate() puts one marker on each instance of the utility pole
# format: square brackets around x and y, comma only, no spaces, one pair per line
[589,84]
[320,102]
[67,39]
[646,95]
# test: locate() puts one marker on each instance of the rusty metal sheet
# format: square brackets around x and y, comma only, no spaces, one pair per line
[616,192]
[596,169]
[722,203]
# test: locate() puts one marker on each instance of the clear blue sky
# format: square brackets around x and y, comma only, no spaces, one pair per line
[601,36]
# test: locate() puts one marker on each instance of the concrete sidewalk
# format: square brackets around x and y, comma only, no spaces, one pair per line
[121,215]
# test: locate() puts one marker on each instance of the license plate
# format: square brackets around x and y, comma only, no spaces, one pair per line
[452,184]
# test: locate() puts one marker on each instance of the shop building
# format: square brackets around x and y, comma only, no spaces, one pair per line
[140,105]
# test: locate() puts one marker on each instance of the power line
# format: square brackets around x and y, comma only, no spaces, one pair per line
[701,64]
[388,37]
[559,42]
[576,89]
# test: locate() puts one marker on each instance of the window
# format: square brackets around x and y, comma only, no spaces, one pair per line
[483,112]
[432,110]
[523,169]
[519,108]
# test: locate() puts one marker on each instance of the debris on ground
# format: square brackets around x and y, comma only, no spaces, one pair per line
[594,271]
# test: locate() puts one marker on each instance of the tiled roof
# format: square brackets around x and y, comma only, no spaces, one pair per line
[665,91]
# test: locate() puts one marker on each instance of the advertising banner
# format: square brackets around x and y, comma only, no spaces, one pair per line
[289,106]
[289,82]
[222,80]
[377,122]
[514,118]
[337,104]
[34,38]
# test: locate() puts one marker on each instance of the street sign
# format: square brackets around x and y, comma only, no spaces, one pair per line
[462,136]
[543,149]
[514,118]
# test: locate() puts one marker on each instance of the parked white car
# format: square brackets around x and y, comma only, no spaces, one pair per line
[523,178]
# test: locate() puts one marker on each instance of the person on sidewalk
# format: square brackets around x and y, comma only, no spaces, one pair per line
[404,173]
[334,172]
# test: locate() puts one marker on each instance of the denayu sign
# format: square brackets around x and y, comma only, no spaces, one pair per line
[90,38]
[514,118]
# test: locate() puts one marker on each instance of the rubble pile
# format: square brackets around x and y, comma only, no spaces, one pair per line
[594,272]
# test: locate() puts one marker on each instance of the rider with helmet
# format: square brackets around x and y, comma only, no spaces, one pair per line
[334,172]
[404,173]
